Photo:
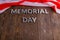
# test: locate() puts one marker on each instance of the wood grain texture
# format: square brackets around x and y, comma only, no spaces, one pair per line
[47,26]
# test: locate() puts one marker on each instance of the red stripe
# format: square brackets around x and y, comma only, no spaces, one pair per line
[2,6]
[39,0]
[57,4]
[34,0]
[5,5]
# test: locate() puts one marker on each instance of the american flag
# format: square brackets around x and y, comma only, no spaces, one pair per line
[54,4]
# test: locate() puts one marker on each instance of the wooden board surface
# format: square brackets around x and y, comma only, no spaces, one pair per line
[46,27]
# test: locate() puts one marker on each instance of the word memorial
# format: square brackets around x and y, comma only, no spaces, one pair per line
[29,11]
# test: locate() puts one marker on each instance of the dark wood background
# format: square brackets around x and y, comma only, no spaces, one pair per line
[47,26]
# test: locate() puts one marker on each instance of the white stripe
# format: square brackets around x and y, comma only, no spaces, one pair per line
[8,1]
[46,4]
[57,10]
[33,4]
[55,7]
[1,11]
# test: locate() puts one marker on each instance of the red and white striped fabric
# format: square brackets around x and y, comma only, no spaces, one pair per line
[54,4]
